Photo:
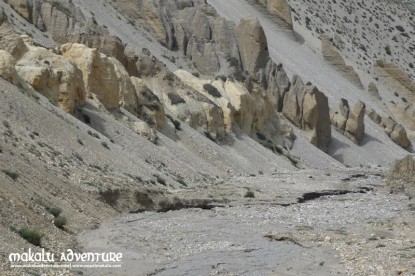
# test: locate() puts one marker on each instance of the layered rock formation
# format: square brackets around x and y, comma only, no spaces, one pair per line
[334,58]
[280,8]
[103,76]
[307,108]
[350,122]
[53,76]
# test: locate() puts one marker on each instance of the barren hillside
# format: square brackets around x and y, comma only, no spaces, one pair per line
[218,111]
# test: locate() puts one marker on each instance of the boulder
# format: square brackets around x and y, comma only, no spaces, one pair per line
[316,118]
[280,8]
[401,177]
[53,76]
[350,122]
[355,125]
[103,76]
[307,108]
[396,132]
[373,115]
[252,44]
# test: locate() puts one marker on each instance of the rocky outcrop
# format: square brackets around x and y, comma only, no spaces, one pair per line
[334,58]
[58,18]
[401,177]
[307,108]
[143,129]
[396,132]
[251,112]
[190,27]
[53,76]
[392,72]
[252,44]
[373,115]
[404,113]
[149,107]
[350,122]
[280,8]
[373,91]
[7,68]
[181,100]
[10,41]
[103,76]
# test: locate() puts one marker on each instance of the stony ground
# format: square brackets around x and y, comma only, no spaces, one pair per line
[301,223]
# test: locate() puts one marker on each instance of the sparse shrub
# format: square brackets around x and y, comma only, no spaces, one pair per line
[175,98]
[196,74]
[104,144]
[60,222]
[80,141]
[55,211]
[31,235]
[388,50]
[411,65]
[110,196]
[160,180]
[87,119]
[400,28]
[213,91]
[11,174]
[249,194]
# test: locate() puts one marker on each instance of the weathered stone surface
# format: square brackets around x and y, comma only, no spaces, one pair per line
[7,68]
[10,41]
[59,18]
[307,108]
[350,122]
[252,44]
[146,131]
[373,115]
[401,177]
[181,100]
[391,70]
[373,91]
[293,101]
[203,56]
[355,125]
[251,112]
[53,76]
[149,107]
[103,76]
[333,57]
[281,8]
[316,118]
[396,132]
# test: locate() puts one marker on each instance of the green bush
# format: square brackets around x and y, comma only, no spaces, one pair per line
[388,50]
[11,174]
[31,235]
[249,194]
[55,211]
[60,222]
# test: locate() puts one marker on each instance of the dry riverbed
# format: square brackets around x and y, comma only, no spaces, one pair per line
[299,223]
